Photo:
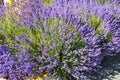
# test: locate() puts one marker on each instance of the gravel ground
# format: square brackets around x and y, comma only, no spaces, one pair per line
[110,69]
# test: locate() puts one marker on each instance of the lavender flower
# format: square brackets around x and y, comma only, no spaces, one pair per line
[64,39]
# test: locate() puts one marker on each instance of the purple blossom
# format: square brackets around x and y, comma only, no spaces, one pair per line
[59,39]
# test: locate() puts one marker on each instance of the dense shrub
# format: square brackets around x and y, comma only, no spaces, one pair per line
[61,39]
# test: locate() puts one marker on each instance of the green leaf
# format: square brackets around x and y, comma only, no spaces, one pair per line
[8,22]
[26,46]
[70,64]
[78,45]
[47,1]
[102,1]
[78,37]
[41,24]
[9,40]
[95,22]
[2,25]
[53,23]
[107,39]
[52,52]
[100,31]
[13,49]
[34,46]
[2,38]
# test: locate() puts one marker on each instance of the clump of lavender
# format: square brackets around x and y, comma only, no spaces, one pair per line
[66,39]
[14,66]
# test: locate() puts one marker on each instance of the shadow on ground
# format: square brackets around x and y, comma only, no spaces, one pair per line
[110,69]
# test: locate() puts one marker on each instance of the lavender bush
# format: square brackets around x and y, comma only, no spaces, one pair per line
[58,39]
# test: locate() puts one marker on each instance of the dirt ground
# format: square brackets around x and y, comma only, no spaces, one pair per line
[110,69]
